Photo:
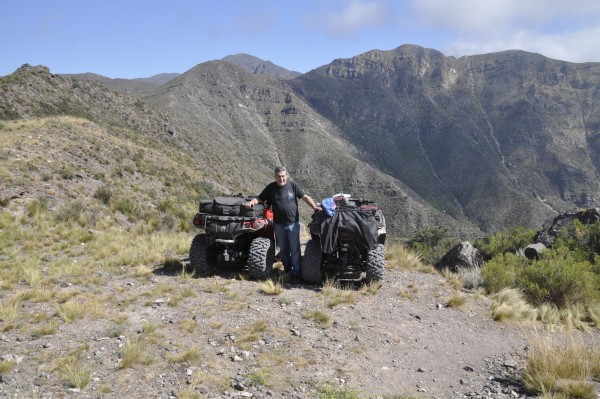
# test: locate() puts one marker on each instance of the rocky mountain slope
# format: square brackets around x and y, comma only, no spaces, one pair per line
[253,123]
[256,66]
[474,145]
[495,138]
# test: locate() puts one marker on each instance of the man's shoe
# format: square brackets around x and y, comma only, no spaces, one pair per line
[295,279]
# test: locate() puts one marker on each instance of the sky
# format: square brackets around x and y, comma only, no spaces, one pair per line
[141,38]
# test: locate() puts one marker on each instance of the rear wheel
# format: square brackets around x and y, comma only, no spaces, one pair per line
[199,255]
[261,258]
[311,264]
[376,264]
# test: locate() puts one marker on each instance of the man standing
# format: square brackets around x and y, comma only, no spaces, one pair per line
[283,195]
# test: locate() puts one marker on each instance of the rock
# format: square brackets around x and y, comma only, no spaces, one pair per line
[550,230]
[533,251]
[461,256]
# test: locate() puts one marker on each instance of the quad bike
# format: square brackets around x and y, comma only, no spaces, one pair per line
[235,234]
[348,243]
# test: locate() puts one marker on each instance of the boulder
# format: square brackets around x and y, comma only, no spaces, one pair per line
[461,256]
[550,230]
[533,251]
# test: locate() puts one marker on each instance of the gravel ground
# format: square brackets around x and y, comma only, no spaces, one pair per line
[221,337]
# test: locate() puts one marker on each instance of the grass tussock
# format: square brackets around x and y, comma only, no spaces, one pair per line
[398,256]
[134,352]
[563,367]
[49,328]
[336,295]
[9,309]
[6,366]
[320,317]
[457,300]
[213,286]
[268,287]
[371,288]
[71,368]
[188,356]
[510,305]
[593,312]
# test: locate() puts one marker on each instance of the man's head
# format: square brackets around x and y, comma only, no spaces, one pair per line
[281,176]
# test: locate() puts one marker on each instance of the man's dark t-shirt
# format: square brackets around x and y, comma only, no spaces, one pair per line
[284,201]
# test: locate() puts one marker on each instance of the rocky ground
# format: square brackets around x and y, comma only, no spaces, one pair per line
[221,337]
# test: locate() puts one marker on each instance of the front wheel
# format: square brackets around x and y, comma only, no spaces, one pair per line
[311,264]
[199,255]
[376,264]
[261,258]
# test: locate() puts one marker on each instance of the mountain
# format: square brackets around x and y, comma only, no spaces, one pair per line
[500,139]
[138,86]
[253,123]
[256,66]
[473,145]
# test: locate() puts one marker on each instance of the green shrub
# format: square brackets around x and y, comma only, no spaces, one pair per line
[560,278]
[508,241]
[74,212]
[128,207]
[37,207]
[502,272]
[67,173]
[431,244]
[104,194]
[582,240]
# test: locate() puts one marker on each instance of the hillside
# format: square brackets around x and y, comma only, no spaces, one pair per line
[256,66]
[253,123]
[472,145]
[500,139]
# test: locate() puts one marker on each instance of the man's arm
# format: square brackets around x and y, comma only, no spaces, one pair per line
[311,203]
[253,202]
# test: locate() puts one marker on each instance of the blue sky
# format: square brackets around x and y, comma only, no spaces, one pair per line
[141,38]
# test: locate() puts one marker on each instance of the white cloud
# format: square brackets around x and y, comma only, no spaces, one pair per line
[356,16]
[554,28]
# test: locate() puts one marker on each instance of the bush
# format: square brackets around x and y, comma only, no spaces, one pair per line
[502,242]
[502,272]
[431,244]
[560,278]
[104,194]
[582,240]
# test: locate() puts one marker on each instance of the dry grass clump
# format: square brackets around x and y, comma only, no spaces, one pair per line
[335,295]
[9,309]
[268,287]
[187,356]
[562,368]
[320,317]
[134,352]
[6,366]
[457,300]
[397,256]
[510,305]
[593,312]
[371,288]
[71,368]
[213,286]
[49,328]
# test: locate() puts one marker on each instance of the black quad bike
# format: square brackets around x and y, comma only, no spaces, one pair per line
[233,234]
[348,244]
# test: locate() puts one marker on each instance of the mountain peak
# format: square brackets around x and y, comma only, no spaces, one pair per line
[256,66]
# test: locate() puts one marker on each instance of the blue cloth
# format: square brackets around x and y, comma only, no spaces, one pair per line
[328,206]
[288,239]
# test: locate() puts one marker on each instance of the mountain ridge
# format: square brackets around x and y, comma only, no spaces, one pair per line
[493,140]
